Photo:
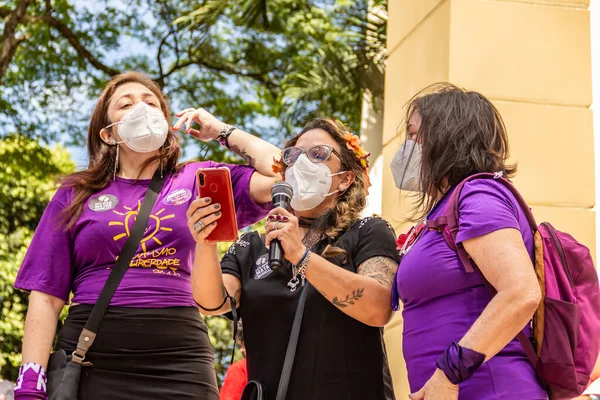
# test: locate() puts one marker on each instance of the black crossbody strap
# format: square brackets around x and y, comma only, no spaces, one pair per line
[290,353]
[236,318]
[88,334]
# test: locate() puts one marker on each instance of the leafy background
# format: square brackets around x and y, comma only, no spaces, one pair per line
[267,66]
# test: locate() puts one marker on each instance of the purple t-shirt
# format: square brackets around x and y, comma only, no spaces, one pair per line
[442,301]
[79,260]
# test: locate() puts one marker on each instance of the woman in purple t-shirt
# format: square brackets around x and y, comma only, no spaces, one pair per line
[152,342]
[458,341]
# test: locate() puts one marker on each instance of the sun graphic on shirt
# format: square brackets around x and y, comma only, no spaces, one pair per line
[151,232]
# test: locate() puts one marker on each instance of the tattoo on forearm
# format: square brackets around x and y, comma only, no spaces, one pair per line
[242,153]
[382,269]
[349,300]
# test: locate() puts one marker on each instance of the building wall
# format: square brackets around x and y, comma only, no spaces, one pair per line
[532,58]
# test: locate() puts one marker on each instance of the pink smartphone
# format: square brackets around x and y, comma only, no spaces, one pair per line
[216,184]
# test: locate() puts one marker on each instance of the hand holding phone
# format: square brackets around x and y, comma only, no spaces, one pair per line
[215,183]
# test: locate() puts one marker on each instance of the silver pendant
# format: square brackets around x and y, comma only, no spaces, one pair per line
[293,284]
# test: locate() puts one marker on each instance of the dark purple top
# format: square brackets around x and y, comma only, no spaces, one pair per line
[79,260]
[442,301]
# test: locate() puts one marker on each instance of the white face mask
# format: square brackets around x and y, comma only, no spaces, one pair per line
[406,166]
[311,183]
[143,128]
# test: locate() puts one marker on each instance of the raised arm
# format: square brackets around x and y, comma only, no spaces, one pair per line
[210,286]
[255,151]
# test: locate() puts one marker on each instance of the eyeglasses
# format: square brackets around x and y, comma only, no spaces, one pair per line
[318,154]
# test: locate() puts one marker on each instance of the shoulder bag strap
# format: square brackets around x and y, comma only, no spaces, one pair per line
[88,334]
[292,345]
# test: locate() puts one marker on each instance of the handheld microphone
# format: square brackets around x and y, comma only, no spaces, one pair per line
[281,194]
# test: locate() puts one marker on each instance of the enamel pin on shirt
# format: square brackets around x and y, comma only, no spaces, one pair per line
[103,202]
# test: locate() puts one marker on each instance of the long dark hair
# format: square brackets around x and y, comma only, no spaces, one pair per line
[102,157]
[353,200]
[461,133]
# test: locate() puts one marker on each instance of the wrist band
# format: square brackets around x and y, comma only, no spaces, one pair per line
[459,363]
[31,382]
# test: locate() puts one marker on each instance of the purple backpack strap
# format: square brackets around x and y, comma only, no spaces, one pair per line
[448,225]
[451,215]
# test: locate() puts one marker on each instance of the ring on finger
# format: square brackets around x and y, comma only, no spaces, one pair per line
[199,226]
[275,224]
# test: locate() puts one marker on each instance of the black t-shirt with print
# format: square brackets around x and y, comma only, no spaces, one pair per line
[337,357]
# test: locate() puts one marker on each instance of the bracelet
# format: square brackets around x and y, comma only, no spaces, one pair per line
[304,265]
[299,271]
[459,363]
[223,136]
[302,258]
[213,309]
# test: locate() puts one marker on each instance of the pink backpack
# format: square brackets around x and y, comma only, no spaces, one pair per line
[566,325]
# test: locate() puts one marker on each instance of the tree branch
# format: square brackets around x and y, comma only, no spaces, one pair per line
[259,77]
[10,42]
[161,77]
[51,21]
[68,34]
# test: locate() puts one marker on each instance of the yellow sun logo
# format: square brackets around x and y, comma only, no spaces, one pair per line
[151,232]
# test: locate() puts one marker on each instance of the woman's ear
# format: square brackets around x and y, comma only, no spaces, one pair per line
[347,180]
[107,137]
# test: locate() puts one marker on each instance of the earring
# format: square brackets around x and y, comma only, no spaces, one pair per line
[114,143]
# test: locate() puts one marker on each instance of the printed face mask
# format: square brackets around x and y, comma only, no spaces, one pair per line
[143,128]
[311,183]
[406,166]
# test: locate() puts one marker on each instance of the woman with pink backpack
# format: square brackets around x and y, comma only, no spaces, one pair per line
[477,269]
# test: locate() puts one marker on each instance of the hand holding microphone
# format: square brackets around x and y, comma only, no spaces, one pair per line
[282,231]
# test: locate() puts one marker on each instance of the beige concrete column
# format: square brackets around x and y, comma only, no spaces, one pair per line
[532,58]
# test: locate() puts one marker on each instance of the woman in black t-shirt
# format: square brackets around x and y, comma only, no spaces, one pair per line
[349,262]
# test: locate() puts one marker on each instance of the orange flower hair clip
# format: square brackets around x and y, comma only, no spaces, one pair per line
[277,166]
[353,144]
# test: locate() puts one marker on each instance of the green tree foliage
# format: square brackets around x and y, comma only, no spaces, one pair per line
[27,182]
[266,65]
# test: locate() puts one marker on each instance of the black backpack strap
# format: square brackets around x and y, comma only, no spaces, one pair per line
[290,353]
[88,334]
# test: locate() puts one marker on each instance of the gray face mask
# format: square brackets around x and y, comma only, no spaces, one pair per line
[406,166]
